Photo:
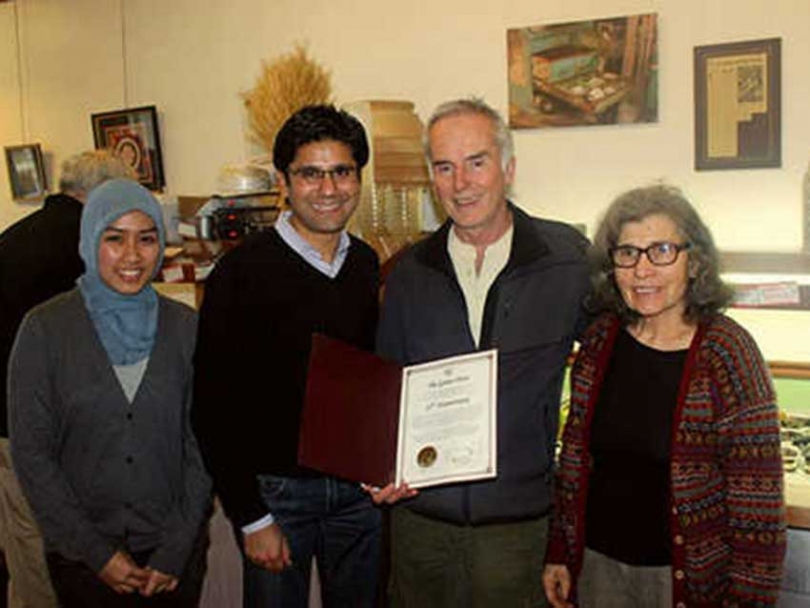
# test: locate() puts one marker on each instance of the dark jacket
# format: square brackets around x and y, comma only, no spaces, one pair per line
[39,258]
[532,313]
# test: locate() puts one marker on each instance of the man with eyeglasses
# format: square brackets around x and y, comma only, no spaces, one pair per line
[491,277]
[262,304]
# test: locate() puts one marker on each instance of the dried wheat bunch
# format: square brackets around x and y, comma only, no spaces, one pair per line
[285,85]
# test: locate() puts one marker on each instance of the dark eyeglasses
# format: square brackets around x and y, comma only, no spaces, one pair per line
[314,176]
[659,254]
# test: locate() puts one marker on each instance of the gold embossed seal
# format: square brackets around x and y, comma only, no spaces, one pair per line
[426,456]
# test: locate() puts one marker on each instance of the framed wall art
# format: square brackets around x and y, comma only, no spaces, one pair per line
[594,72]
[133,135]
[26,172]
[737,105]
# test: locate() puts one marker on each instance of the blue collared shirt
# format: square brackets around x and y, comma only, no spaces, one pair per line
[313,257]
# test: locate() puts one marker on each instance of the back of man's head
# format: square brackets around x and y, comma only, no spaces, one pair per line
[83,172]
[319,123]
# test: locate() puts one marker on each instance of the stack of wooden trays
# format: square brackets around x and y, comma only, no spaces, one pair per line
[396,182]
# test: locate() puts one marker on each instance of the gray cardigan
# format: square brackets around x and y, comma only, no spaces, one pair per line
[102,474]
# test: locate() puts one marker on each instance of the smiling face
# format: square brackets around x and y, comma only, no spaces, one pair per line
[657,293]
[469,177]
[321,207]
[128,252]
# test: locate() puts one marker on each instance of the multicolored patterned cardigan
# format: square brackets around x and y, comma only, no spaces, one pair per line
[727,505]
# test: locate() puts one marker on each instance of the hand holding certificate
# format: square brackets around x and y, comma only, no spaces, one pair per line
[369,420]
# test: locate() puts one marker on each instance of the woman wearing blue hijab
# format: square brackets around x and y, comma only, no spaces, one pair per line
[99,388]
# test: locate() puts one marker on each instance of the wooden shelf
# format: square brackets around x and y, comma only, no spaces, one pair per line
[782,264]
[790,369]
[797,501]
[765,263]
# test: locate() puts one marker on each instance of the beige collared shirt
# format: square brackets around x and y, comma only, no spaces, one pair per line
[475,286]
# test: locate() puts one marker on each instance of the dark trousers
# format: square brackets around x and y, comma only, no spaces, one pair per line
[78,586]
[441,565]
[333,521]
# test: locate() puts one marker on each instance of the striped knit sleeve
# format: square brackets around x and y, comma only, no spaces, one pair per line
[752,466]
[566,536]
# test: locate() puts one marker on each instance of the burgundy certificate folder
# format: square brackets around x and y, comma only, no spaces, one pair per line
[351,413]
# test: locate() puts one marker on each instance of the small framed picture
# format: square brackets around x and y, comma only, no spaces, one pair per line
[132,134]
[737,105]
[26,172]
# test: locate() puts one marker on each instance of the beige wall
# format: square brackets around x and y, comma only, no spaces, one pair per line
[192,58]
[70,66]
[10,106]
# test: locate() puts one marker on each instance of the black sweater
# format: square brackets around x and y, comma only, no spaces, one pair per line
[39,258]
[262,304]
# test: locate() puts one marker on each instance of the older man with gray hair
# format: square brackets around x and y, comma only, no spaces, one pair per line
[39,258]
[491,277]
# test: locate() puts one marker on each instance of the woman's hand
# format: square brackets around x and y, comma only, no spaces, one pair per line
[390,494]
[122,574]
[159,583]
[557,583]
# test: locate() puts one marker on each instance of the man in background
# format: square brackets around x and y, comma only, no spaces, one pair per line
[39,258]
[263,302]
[491,277]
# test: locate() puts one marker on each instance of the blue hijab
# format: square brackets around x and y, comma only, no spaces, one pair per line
[126,324]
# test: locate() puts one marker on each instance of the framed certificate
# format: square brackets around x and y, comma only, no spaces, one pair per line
[737,105]
[370,420]
[447,421]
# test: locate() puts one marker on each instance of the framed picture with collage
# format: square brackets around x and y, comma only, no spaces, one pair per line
[133,135]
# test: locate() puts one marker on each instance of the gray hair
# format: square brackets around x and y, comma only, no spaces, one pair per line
[83,172]
[474,105]
[706,293]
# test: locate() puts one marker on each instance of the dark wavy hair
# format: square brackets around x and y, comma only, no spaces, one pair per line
[319,123]
[706,293]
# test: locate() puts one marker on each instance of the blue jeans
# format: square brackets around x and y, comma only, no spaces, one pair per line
[333,521]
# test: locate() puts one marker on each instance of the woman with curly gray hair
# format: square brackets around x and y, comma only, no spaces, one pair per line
[706,294]
[669,491]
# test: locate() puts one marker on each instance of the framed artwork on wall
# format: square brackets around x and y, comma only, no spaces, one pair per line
[593,72]
[737,105]
[133,135]
[26,172]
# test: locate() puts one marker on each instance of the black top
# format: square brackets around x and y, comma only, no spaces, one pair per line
[628,495]
[39,258]
[262,304]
